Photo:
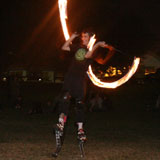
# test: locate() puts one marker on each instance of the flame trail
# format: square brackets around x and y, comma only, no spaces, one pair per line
[63,16]
[91,42]
[117,83]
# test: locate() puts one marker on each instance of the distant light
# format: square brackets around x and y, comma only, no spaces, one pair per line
[4,79]
[106,75]
[149,71]
[119,72]
[40,79]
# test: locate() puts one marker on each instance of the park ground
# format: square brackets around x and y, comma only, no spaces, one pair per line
[128,131]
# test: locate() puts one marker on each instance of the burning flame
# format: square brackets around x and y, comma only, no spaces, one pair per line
[91,42]
[117,83]
[63,16]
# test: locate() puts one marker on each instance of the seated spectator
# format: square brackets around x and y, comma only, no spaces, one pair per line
[100,102]
[96,103]
[157,107]
[36,109]
[18,102]
[48,107]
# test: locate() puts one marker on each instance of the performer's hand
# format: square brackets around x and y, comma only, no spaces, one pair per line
[101,44]
[74,35]
[104,45]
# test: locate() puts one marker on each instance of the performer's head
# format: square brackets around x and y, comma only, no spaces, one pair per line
[85,36]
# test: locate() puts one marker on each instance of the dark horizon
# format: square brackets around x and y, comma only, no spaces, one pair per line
[29,38]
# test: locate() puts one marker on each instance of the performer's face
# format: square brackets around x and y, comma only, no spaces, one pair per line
[85,38]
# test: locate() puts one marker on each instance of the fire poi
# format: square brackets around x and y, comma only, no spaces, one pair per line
[92,76]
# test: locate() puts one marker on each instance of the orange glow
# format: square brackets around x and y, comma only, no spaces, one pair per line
[112,71]
[39,29]
[149,71]
[91,42]
[63,16]
[117,83]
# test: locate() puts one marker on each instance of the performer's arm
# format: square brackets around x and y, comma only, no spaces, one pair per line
[98,44]
[66,45]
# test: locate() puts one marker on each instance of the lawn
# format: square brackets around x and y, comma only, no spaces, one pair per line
[127,132]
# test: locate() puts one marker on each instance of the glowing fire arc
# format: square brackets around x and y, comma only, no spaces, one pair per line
[117,83]
[63,16]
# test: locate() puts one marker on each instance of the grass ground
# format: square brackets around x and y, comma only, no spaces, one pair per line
[128,132]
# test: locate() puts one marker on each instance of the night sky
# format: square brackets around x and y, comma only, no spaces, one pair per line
[32,36]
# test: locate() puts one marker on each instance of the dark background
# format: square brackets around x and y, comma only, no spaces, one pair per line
[32,35]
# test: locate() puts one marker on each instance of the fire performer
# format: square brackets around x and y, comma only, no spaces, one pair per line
[75,80]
